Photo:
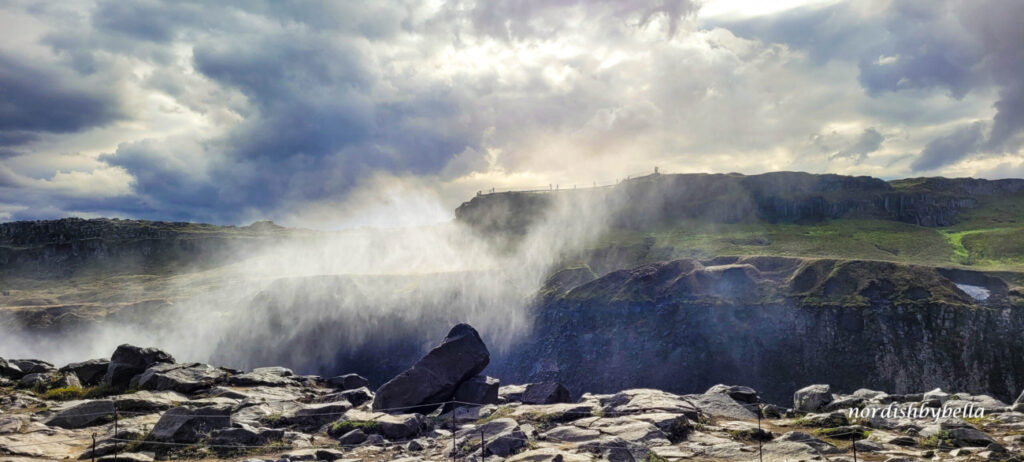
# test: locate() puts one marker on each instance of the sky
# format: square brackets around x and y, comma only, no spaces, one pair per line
[234,111]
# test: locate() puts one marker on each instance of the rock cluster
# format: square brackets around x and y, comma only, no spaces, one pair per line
[272,414]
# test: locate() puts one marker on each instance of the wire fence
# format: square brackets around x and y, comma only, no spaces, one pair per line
[853,433]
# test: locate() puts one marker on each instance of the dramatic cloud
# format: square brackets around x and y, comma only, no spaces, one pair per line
[236,111]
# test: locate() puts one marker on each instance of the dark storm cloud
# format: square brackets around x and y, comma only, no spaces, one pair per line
[917,45]
[950,148]
[35,100]
[869,141]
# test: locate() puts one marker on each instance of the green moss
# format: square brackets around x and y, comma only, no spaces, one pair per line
[64,394]
[501,412]
[942,439]
[342,427]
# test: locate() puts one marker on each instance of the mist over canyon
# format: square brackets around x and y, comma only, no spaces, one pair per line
[675,282]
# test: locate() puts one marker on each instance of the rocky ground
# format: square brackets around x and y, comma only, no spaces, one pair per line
[142,405]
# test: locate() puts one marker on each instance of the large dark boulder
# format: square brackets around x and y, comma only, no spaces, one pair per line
[89,372]
[187,424]
[129,361]
[435,377]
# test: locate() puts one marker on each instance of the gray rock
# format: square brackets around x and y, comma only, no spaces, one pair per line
[129,361]
[149,401]
[936,396]
[478,390]
[128,457]
[90,372]
[960,432]
[645,400]
[824,420]
[355,397]
[33,366]
[79,414]
[352,438]
[414,446]
[67,380]
[546,393]
[1020,399]
[400,426]
[187,424]
[313,416]
[265,376]
[738,393]
[374,440]
[844,403]
[244,435]
[37,379]
[721,405]
[435,377]
[812,398]
[570,434]
[868,446]
[182,378]
[348,382]
[10,370]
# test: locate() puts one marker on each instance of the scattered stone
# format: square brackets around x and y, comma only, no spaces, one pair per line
[812,398]
[959,432]
[868,446]
[264,376]
[935,397]
[182,378]
[355,396]
[90,373]
[313,416]
[546,393]
[721,405]
[10,370]
[129,361]
[738,393]
[129,457]
[435,377]
[33,366]
[348,382]
[187,424]
[36,379]
[79,414]
[244,435]
[824,420]
[478,390]
[352,438]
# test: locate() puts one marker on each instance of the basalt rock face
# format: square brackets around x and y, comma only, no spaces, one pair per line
[773,197]
[775,323]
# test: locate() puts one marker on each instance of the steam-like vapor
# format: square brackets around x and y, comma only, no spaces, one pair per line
[366,299]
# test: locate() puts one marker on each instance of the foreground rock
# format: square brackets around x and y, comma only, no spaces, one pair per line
[311,419]
[187,424]
[435,377]
[129,361]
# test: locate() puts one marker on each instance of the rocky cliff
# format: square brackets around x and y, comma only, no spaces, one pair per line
[775,323]
[772,197]
[58,249]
